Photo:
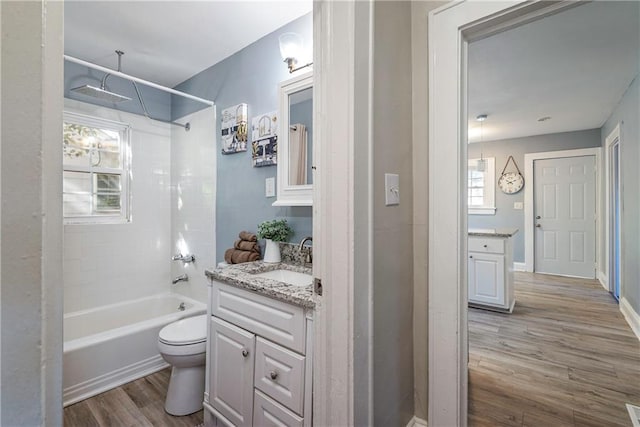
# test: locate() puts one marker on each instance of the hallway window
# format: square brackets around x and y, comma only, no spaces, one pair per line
[481,185]
[95,170]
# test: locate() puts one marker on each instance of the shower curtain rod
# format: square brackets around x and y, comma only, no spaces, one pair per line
[138,80]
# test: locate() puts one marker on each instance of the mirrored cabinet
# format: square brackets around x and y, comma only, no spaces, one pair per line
[295,142]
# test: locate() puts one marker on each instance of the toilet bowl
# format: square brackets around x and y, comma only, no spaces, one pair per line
[183,344]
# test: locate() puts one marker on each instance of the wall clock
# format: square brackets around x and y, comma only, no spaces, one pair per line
[511,182]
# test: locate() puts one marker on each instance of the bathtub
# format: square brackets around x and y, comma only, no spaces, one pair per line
[108,346]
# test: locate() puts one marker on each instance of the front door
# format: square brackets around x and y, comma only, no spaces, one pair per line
[565,206]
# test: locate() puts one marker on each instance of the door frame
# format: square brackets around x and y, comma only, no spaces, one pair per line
[529,223]
[605,273]
[451,28]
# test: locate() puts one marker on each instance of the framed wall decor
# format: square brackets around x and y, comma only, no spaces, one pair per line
[264,139]
[234,129]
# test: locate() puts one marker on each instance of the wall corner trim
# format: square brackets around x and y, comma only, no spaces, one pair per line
[519,266]
[417,422]
[602,278]
[630,315]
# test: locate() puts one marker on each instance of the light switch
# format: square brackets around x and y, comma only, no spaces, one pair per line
[270,187]
[392,189]
[518,205]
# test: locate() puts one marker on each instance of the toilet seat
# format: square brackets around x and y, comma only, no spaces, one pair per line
[185,332]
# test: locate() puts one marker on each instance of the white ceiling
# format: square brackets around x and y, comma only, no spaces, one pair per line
[168,42]
[574,67]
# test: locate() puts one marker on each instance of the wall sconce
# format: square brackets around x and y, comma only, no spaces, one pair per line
[290,49]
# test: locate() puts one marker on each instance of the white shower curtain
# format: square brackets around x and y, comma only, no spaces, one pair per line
[297,154]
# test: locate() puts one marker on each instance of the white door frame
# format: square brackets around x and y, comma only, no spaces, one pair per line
[529,226]
[605,273]
[451,28]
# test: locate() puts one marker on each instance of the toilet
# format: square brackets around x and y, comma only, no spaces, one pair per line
[182,344]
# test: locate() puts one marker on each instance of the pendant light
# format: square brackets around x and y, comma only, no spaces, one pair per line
[481,164]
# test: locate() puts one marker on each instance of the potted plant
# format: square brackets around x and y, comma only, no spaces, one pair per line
[274,231]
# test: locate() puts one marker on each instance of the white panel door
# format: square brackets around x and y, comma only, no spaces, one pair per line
[232,353]
[486,278]
[564,209]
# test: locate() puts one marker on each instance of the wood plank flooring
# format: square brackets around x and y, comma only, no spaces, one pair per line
[564,357]
[138,403]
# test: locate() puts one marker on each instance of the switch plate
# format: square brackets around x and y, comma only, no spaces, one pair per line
[518,205]
[392,189]
[270,187]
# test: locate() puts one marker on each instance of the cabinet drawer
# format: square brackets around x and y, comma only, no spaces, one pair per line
[279,373]
[267,413]
[278,321]
[485,244]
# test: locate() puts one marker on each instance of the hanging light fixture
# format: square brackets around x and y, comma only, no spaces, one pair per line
[291,50]
[481,165]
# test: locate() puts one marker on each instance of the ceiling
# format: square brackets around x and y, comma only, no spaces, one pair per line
[168,42]
[573,67]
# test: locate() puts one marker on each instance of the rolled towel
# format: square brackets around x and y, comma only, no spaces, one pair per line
[238,256]
[227,255]
[248,237]
[243,245]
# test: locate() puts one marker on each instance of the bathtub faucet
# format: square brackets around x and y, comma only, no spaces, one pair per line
[183,258]
[180,278]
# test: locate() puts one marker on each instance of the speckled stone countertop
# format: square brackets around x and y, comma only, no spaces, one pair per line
[243,276]
[492,232]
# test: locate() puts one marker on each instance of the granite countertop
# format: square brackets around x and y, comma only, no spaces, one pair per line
[492,232]
[243,276]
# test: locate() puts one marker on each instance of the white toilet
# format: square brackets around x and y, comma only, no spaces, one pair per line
[183,345]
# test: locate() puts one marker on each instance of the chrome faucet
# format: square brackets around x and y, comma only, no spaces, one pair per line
[183,258]
[309,258]
[180,278]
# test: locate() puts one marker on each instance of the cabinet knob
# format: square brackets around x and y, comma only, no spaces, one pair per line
[245,352]
[273,375]
[484,246]
[538,217]
[538,225]
[470,256]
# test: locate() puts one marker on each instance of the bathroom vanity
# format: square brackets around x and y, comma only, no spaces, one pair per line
[490,269]
[259,345]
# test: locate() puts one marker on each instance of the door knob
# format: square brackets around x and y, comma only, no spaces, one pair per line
[538,217]
[538,225]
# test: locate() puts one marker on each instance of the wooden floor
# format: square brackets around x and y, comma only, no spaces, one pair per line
[138,403]
[565,357]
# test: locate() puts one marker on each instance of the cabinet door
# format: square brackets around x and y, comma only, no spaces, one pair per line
[232,351]
[486,278]
[269,413]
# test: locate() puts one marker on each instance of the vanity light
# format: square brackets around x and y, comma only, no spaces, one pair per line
[481,165]
[291,49]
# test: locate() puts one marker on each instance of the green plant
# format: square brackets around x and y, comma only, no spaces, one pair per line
[277,230]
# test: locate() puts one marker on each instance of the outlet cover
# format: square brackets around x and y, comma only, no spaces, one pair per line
[270,187]
[392,189]
[518,205]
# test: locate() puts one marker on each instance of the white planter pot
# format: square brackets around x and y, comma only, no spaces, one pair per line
[271,251]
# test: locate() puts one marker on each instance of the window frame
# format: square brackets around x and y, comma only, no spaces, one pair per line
[124,129]
[489,197]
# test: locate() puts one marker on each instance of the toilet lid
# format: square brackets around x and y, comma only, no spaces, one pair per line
[185,331]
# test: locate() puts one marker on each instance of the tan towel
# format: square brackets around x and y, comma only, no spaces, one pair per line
[243,245]
[235,256]
[248,237]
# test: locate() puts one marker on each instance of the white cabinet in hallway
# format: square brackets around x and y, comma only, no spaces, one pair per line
[490,269]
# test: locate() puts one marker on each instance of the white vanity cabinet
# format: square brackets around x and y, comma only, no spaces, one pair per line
[490,270]
[259,363]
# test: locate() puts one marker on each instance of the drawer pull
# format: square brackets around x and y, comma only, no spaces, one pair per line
[273,375]
[470,256]
[245,352]
[484,246]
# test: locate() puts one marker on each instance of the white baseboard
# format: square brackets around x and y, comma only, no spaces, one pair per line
[417,422]
[604,281]
[94,386]
[519,266]
[633,319]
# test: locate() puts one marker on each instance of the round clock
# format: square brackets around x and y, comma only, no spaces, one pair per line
[511,182]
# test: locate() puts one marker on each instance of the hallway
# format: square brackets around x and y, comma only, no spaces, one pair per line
[565,357]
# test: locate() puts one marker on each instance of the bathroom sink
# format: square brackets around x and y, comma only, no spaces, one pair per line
[289,277]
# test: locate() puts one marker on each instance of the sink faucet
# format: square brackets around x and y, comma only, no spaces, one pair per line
[180,278]
[309,258]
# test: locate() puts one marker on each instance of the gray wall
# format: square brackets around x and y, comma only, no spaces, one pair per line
[628,112]
[251,76]
[506,215]
[393,400]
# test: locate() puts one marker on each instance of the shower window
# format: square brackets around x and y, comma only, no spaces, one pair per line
[96,170]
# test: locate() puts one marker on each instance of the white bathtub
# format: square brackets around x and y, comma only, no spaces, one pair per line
[111,345]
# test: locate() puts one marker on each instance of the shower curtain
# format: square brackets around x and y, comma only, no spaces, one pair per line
[298,154]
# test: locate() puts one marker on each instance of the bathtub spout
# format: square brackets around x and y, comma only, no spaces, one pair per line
[180,278]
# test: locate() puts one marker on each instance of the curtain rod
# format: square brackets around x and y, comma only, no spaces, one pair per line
[136,79]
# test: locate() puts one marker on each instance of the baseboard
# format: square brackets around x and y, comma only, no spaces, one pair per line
[519,266]
[633,319]
[92,387]
[604,281]
[417,422]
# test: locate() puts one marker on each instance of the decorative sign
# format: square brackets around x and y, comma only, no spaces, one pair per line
[234,129]
[264,137]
